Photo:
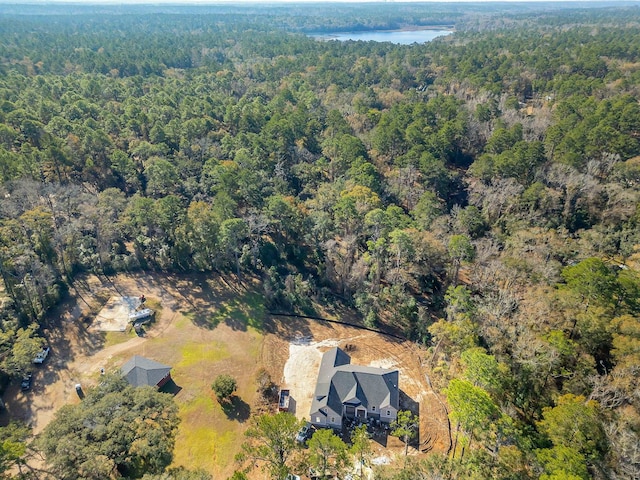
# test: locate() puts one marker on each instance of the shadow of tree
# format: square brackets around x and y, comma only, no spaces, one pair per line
[236,409]
[244,310]
[291,329]
[408,403]
[85,340]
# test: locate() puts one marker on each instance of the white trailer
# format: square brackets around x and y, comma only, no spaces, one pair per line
[140,314]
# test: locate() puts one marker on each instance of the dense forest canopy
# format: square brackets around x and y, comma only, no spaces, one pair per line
[478,194]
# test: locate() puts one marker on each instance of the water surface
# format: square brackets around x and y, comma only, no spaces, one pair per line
[401,37]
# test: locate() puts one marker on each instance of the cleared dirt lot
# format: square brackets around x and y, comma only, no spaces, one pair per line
[205,326]
[365,348]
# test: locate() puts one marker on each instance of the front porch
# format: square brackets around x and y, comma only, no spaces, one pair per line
[359,413]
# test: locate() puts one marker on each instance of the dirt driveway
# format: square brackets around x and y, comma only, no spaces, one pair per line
[78,353]
[203,326]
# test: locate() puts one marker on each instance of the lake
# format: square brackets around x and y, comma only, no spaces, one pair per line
[401,37]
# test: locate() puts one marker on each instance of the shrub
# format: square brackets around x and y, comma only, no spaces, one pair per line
[224,386]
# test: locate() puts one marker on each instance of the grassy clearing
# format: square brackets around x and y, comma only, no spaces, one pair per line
[240,311]
[247,310]
[226,338]
[114,338]
[207,438]
[155,305]
[222,334]
[184,319]
[204,447]
[207,353]
[194,444]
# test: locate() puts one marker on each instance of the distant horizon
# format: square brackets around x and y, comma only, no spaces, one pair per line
[272,2]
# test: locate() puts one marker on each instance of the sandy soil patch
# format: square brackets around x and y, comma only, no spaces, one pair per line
[301,372]
[114,316]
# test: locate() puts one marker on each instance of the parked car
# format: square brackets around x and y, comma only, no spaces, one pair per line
[42,355]
[304,433]
[79,391]
[26,382]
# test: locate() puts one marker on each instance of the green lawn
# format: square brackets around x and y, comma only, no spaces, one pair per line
[246,310]
[114,338]
[229,342]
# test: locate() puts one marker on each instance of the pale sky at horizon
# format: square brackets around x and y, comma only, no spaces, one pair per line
[271,2]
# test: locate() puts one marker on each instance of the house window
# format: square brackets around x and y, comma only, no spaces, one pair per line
[373,408]
[333,419]
[317,419]
[388,413]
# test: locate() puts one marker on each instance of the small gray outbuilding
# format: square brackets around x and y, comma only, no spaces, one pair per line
[140,372]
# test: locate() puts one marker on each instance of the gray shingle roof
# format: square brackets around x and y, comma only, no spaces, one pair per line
[140,371]
[339,383]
